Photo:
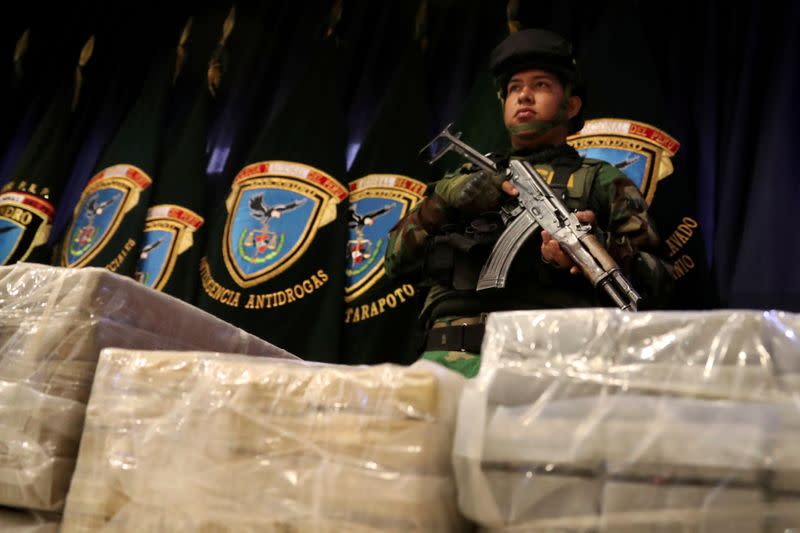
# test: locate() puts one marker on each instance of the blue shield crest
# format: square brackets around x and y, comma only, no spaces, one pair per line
[370,220]
[155,255]
[10,235]
[267,229]
[97,214]
[632,164]
[377,203]
[640,151]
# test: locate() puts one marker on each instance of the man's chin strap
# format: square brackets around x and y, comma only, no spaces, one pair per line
[535,127]
[540,127]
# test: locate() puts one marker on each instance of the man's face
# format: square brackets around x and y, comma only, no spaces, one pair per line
[533,95]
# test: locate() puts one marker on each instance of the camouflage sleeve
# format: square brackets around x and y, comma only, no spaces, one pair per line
[631,237]
[409,238]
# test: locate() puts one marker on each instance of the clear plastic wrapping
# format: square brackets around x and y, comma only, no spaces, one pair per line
[17,521]
[600,420]
[182,441]
[53,324]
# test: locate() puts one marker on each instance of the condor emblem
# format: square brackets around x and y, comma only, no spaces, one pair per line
[377,202]
[108,196]
[274,211]
[639,150]
[168,232]
[25,223]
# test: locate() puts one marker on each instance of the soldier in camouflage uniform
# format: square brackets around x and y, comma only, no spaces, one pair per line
[446,239]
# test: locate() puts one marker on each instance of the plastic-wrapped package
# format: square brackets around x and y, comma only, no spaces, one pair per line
[53,324]
[188,441]
[604,421]
[16,521]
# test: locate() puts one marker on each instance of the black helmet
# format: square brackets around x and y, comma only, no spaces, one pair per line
[541,49]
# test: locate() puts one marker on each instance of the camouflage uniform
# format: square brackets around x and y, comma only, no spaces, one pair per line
[435,237]
[623,224]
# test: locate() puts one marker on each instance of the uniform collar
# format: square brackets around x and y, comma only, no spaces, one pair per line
[546,154]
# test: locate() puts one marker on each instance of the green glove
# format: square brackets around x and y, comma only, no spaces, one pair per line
[471,194]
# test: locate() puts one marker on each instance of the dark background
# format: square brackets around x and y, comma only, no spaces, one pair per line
[722,81]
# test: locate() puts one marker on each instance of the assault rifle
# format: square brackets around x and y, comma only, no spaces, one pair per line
[539,207]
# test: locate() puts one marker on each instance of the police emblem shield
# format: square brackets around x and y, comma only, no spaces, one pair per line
[108,196]
[377,203]
[10,235]
[168,232]
[639,150]
[274,211]
[25,223]
[157,248]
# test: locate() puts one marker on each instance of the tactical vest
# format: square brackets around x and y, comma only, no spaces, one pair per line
[575,187]
[455,258]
